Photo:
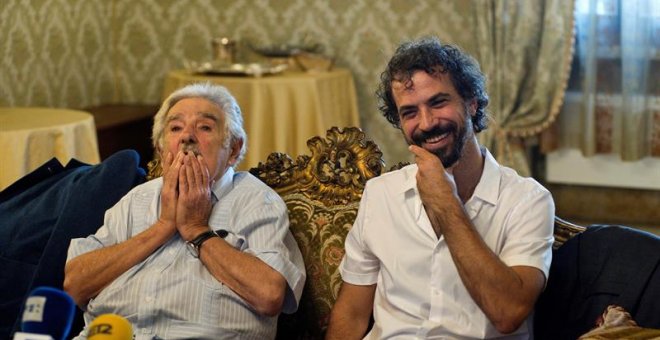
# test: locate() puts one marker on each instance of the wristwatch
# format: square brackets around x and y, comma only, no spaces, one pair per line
[196,243]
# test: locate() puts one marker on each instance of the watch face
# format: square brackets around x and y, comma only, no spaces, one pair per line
[193,249]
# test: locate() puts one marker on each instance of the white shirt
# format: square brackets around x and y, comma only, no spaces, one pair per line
[419,293]
[171,294]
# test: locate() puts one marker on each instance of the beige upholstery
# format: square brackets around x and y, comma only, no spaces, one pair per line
[322,192]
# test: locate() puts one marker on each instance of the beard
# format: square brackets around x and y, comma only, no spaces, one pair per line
[451,153]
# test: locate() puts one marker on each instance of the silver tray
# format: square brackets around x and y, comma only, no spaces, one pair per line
[237,69]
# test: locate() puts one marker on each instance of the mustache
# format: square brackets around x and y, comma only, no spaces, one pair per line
[420,137]
[188,147]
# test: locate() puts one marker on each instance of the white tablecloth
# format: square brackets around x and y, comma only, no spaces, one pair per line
[283,111]
[31,136]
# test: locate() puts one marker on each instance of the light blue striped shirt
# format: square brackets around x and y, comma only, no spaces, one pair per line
[171,294]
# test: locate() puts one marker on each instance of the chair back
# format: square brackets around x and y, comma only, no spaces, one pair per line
[564,231]
[322,193]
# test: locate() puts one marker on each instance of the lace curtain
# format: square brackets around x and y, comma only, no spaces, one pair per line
[613,100]
[525,49]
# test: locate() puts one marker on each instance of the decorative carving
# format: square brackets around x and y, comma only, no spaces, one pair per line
[277,171]
[336,172]
[154,170]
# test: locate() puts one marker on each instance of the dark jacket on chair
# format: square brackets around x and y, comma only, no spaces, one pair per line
[604,265]
[42,212]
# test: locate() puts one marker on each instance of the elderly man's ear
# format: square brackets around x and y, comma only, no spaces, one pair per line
[236,147]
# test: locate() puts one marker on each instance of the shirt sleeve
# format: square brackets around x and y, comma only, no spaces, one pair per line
[263,222]
[113,231]
[359,265]
[530,232]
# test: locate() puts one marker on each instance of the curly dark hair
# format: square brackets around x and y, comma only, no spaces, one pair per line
[431,56]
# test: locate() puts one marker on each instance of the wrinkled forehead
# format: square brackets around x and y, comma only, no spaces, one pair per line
[173,116]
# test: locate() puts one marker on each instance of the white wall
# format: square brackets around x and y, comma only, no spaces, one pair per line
[568,166]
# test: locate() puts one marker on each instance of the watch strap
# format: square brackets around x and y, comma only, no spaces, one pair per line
[196,243]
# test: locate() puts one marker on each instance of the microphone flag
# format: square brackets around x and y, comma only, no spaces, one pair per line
[48,311]
[110,327]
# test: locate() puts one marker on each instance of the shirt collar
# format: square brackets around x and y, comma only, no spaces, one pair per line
[224,185]
[410,178]
[488,188]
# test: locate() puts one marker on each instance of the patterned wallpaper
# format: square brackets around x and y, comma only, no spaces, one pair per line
[55,53]
[77,53]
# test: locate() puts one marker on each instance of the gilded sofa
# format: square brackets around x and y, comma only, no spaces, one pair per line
[322,191]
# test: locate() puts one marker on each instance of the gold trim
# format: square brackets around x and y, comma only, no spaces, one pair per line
[334,174]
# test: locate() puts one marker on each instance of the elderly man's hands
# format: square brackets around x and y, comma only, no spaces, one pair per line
[186,201]
[169,194]
[194,204]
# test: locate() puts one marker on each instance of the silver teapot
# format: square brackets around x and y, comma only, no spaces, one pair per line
[224,50]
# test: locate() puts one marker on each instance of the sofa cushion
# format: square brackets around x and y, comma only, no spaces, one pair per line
[320,231]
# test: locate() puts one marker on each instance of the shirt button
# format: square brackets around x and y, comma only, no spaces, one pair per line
[148,299]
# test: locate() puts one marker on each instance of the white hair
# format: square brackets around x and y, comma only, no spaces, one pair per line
[214,93]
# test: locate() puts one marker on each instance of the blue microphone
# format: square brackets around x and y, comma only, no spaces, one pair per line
[47,311]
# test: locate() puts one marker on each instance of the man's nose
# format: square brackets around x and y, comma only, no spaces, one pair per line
[188,136]
[426,120]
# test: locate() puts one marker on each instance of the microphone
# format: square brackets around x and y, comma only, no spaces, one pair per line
[48,314]
[110,327]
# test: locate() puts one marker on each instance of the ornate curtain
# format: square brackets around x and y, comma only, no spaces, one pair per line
[613,100]
[525,49]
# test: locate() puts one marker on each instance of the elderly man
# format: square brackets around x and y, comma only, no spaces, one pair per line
[203,252]
[454,246]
